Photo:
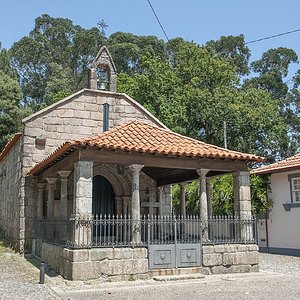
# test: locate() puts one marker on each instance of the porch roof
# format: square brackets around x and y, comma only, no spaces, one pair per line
[139,137]
[291,163]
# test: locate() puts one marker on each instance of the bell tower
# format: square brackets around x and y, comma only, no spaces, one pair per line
[102,72]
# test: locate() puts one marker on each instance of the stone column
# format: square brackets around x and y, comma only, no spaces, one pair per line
[40,202]
[203,202]
[135,203]
[160,200]
[126,206]
[64,194]
[50,202]
[242,197]
[83,181]
[64,205]
[83,191]
[209,197]
[236,194]
[118,203]
[182,198]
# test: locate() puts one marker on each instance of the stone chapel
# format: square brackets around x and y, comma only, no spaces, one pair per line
[77,181]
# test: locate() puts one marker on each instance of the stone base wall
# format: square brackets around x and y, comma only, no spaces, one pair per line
[85,264]
[230,258]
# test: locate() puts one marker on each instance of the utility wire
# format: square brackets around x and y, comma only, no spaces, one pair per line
[162,28]
[272,36]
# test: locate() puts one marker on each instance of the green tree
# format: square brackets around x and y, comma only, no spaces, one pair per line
[5,64]
[223,197]
[127,50]
[10,112]
[233,50]
[53,41]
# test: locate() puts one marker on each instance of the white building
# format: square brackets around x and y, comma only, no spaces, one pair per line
[279,231]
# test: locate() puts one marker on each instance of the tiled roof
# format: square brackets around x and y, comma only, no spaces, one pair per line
[10,144]
[292,162]
[140,137]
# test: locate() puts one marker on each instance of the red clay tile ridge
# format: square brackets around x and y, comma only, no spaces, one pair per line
[10,144]
[290,163]
[140,137]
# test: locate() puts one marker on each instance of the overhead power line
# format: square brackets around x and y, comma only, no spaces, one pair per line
[272,36]
[162,28]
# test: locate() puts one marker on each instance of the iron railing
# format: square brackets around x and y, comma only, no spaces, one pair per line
[122,231]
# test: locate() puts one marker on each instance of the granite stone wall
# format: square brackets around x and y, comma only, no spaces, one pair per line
[11,209]
[79,116]
[85,264]
[230,258]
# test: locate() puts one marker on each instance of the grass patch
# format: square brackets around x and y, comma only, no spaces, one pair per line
[131,278]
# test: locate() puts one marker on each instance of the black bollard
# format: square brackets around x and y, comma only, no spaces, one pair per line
[42,273]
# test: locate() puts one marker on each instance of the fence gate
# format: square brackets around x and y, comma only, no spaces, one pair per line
[174,242]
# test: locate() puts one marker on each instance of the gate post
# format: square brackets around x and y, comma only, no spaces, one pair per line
[135,206]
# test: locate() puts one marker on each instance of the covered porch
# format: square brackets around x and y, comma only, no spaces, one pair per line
[105,202]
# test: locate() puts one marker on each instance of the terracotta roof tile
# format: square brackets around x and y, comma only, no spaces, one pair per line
[140,137]
[292,162]
[10,144]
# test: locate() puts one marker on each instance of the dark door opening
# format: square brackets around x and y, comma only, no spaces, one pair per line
[103,197]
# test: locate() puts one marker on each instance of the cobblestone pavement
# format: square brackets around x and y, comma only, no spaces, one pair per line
[19,279]
[278,279]
[283,264]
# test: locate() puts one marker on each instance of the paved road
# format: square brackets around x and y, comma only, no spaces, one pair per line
[263,285]
[279,279]
[19,280]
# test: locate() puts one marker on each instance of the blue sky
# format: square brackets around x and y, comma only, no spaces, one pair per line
[197,20]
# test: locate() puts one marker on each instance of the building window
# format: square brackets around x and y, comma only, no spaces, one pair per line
[296,190]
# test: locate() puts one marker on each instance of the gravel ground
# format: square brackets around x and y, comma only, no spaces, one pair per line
[279,279]
[19,279]
[282,264]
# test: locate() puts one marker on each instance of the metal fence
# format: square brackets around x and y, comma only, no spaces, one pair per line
[122,231]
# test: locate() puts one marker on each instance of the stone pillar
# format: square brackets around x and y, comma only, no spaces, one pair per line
[236,194]
[135,203]
[64,204]
[83,188]
[242,201]
[203,202]
[182,198]
[40,202]
[83,181]
[64,194]
[160,200]
[126,206]
[209,197]
[118,203]
[92,79]
[50,202]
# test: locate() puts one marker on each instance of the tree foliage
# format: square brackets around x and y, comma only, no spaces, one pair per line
[193,89]
[54,47]
[10,112]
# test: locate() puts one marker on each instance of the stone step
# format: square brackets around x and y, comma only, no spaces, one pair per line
[178,277]
[176,272]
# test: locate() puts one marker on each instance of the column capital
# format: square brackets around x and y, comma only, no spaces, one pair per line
[202,172]
[51,181]
[64,174]
[136,167]
[41,186]
[241,173]
[183,184]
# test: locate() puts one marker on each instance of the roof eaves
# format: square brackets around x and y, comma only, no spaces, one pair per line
[9,145]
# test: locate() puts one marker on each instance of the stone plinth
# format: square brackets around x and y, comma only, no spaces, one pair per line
[230,258]
[85,264]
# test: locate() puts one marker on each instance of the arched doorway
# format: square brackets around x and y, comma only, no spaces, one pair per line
[103,197]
